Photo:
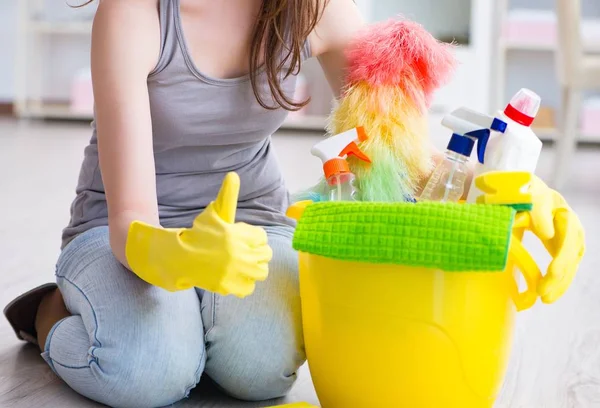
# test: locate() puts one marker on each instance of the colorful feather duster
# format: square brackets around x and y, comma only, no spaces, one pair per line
[394,67]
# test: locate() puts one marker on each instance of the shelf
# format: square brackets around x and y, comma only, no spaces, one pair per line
[54,111]
[589,138]
[71,28]
[551,134]
[509,45]
[590,47]
[308,122]
[62,111]
[545,132]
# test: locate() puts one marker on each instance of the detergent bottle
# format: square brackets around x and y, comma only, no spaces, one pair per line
[447,184]
[517,148]
[333,152]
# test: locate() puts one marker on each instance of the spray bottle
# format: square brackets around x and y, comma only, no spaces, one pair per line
[332,152]
[447,183]
[517,148]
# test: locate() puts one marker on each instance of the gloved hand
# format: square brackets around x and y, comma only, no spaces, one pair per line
[561,232]
[215,254]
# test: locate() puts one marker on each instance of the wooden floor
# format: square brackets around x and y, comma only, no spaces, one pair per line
[556,358]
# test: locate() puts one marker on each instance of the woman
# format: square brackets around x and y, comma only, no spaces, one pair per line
[186,91]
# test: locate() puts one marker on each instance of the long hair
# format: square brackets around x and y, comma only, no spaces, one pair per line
[280,31]
[282,26]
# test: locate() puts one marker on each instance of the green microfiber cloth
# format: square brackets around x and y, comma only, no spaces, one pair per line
[447,236]
[524,207]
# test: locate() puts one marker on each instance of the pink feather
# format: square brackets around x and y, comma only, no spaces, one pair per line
[400,53]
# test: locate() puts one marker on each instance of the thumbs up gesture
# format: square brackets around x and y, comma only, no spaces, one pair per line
[215,254]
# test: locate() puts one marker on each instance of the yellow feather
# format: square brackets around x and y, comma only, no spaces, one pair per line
[397,129]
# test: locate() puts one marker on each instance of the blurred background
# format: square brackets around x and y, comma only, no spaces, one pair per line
[550,46]
[503,45]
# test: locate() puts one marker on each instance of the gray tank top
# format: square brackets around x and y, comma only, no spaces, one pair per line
[202,128]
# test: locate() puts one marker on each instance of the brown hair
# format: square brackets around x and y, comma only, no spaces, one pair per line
[281,29]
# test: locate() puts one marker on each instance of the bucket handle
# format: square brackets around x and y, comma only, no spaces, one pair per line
[296,210]
[520,258]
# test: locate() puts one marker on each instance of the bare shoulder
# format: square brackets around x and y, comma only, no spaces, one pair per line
[131,26]
[339,21]
[139,4]
[139,10]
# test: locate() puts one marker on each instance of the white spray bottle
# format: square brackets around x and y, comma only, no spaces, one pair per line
[333,152]
[517,148]
[447,182]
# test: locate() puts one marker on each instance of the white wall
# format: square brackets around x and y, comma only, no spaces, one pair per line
[445,19]
[8,27]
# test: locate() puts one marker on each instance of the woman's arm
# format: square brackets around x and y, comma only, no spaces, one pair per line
[125,48]
[339,22]
[337,27]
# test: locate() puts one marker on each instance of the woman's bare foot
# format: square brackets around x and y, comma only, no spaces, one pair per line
[51,309]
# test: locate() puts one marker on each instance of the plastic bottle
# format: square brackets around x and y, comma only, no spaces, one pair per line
[342,187]
[518,148]
[447,183]
[332,151]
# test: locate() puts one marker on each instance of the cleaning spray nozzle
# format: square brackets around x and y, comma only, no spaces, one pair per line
[475,125]
[482,136]
[333,151]
[499,125]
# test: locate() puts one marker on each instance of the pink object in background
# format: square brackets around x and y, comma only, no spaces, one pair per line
[82,94]
[301,93]
[537,27]
[590,117]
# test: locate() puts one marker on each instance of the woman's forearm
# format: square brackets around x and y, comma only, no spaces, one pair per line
[122,56]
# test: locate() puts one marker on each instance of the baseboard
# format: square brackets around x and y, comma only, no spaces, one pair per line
[6,109]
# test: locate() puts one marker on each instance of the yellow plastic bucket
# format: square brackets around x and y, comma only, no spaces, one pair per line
[384,335]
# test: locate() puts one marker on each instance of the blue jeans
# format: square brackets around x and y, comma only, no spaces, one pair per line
[130,344]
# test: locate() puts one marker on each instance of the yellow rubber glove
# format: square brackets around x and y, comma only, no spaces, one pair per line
[561,232]
[215,254]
